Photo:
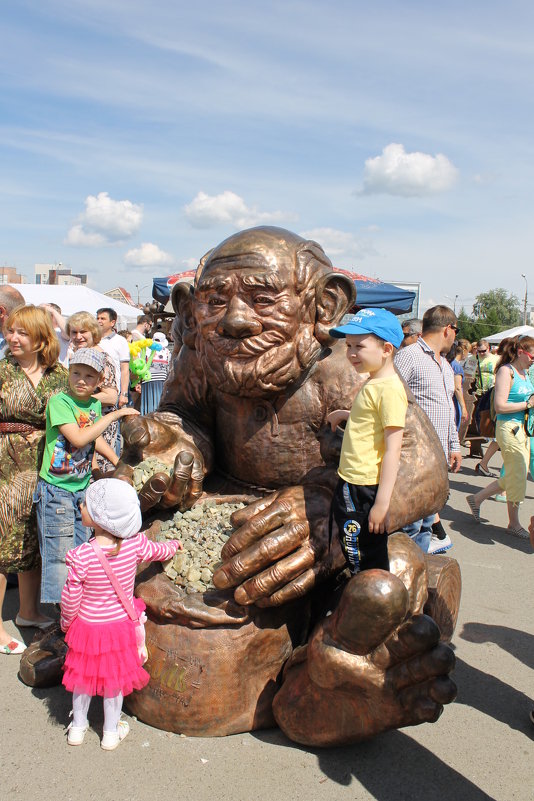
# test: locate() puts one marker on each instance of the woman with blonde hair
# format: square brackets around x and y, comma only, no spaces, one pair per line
[29,376]
[514,395]
[84,332]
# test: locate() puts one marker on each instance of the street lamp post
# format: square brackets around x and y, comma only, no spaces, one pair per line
[139,290]
[453,301]
[526,299]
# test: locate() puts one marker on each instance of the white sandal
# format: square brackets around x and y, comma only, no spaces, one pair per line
[13,647]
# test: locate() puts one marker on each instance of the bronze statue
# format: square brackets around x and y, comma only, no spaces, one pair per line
[243,415]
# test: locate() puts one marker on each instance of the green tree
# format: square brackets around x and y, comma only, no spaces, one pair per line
[493,311]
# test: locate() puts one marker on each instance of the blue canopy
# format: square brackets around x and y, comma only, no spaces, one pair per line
[378,294]
[369,291]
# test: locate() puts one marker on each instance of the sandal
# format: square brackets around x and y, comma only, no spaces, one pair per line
[519,532]
[22,623]
[13,647]
[484,471]
[475,510]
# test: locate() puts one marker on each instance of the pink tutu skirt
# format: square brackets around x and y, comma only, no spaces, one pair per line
[103,659]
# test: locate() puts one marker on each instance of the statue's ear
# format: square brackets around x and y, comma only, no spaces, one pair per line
[335,295]
[184,323]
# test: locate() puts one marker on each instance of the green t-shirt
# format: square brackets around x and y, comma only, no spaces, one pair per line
[64,465]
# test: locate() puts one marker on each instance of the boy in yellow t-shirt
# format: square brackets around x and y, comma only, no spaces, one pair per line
[371,448]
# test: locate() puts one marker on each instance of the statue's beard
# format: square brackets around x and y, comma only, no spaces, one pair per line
[257,366]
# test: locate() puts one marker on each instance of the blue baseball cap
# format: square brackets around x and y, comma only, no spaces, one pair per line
[379,322]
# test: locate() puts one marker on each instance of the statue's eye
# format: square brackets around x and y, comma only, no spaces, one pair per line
[264,300]
[216,301]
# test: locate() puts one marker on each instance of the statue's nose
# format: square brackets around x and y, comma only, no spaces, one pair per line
[239,321]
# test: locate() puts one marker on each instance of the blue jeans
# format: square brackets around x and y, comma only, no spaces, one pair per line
[421,531]
[59,526]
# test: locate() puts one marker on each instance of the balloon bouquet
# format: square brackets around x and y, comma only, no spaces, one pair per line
[139,362]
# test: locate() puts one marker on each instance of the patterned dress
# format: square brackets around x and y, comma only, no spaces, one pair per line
[112,431]
[20,460]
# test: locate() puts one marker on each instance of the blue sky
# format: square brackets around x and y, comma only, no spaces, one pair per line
[135,136]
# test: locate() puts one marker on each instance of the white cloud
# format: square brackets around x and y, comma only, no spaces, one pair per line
[396,172]
[341,245]
[207,211]
[148,255]
[105,221]
[79,238]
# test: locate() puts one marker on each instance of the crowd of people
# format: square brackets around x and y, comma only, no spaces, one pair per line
[65,385]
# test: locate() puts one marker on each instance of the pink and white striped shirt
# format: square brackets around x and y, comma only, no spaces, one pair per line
[88,593]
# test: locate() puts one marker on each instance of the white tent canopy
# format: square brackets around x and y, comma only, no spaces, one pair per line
[73,299]
[518,331]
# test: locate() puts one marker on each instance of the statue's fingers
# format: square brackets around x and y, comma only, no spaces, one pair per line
[297,588]
[194,487]
[307,579]
[424,702]
[136,436]
[183,467]
[124,472]
[258,556]
[265,520]
[438,661]
[241,516]
[275,578]
[153,490]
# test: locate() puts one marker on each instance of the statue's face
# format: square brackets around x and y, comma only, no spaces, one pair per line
[255,332]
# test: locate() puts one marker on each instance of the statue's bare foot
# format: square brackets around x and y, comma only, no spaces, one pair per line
[367,668]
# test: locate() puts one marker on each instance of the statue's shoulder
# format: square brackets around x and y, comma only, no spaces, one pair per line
[335,379]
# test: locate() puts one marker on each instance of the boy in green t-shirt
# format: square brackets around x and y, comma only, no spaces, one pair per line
[370,453]
[74,428]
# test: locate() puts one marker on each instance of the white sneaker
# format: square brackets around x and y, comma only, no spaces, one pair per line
[439,546]
[111,739]
[75,734]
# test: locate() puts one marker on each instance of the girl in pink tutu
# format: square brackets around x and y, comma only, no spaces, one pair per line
[103,657]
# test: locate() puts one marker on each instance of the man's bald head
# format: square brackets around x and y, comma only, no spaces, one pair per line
[10,298]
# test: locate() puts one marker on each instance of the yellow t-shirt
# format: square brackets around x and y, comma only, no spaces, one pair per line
[380,403]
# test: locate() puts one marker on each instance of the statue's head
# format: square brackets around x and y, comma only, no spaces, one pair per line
[262,305]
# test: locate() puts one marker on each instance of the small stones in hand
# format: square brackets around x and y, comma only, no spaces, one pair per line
[146,469]
[203,531]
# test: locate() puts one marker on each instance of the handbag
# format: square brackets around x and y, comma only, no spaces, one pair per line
[136,611]
[485,414]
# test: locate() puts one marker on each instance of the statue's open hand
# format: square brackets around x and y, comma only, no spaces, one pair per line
[369,667]
[280,548]
[153,436]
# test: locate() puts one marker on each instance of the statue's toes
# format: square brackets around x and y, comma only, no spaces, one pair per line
[423,703]
[438,661]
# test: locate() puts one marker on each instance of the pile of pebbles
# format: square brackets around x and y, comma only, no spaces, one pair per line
[202,530]
[146,469]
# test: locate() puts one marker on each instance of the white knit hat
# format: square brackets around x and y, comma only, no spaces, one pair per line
[114,506]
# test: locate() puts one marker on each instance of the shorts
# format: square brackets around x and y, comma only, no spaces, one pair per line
[514,445]
[59,527]
[350,509]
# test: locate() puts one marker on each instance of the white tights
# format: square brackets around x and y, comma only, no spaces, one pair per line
[112,711]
